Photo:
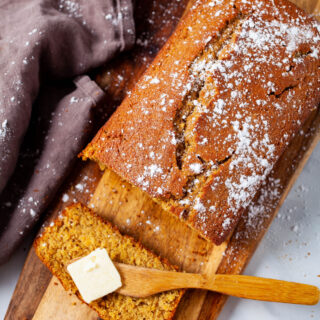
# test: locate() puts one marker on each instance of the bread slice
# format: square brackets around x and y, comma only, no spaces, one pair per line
[208,121]
[76,233]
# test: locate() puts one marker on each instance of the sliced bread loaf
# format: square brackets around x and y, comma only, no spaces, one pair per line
[79,231]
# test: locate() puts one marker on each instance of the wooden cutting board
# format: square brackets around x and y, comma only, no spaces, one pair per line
[39,296]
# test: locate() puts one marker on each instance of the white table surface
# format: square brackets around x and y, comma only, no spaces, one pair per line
[289,251]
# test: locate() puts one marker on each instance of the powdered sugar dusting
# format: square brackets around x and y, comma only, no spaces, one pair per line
[248,155]
[252,144]
[3,129]
[213,121]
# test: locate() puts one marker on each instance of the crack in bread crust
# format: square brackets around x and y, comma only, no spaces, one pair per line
[185,113]
[186,110]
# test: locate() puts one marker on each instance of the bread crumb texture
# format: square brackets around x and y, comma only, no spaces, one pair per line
[209,119]
[76,233]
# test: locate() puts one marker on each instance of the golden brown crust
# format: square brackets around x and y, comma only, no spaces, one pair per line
[50,233]
[216,109]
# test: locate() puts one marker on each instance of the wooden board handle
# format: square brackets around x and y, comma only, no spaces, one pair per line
[59,304]
[264,289]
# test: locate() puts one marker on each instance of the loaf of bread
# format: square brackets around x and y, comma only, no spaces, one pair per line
[77,233]
[213,113]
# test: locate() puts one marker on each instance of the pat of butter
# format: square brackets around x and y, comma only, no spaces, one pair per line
[95,275]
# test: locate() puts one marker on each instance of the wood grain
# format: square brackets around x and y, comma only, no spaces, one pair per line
[63,305]
[134,213]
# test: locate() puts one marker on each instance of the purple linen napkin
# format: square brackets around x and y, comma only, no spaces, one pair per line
[44,41]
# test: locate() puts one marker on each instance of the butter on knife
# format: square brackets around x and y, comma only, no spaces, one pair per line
[95,275]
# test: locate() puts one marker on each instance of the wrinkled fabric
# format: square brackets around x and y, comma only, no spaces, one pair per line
[42,42]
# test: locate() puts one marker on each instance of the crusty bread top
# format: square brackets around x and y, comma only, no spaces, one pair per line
[211,116]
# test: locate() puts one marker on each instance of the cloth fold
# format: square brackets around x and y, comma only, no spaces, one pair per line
[42,42]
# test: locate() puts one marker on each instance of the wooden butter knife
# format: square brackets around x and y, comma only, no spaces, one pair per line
[142,282]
